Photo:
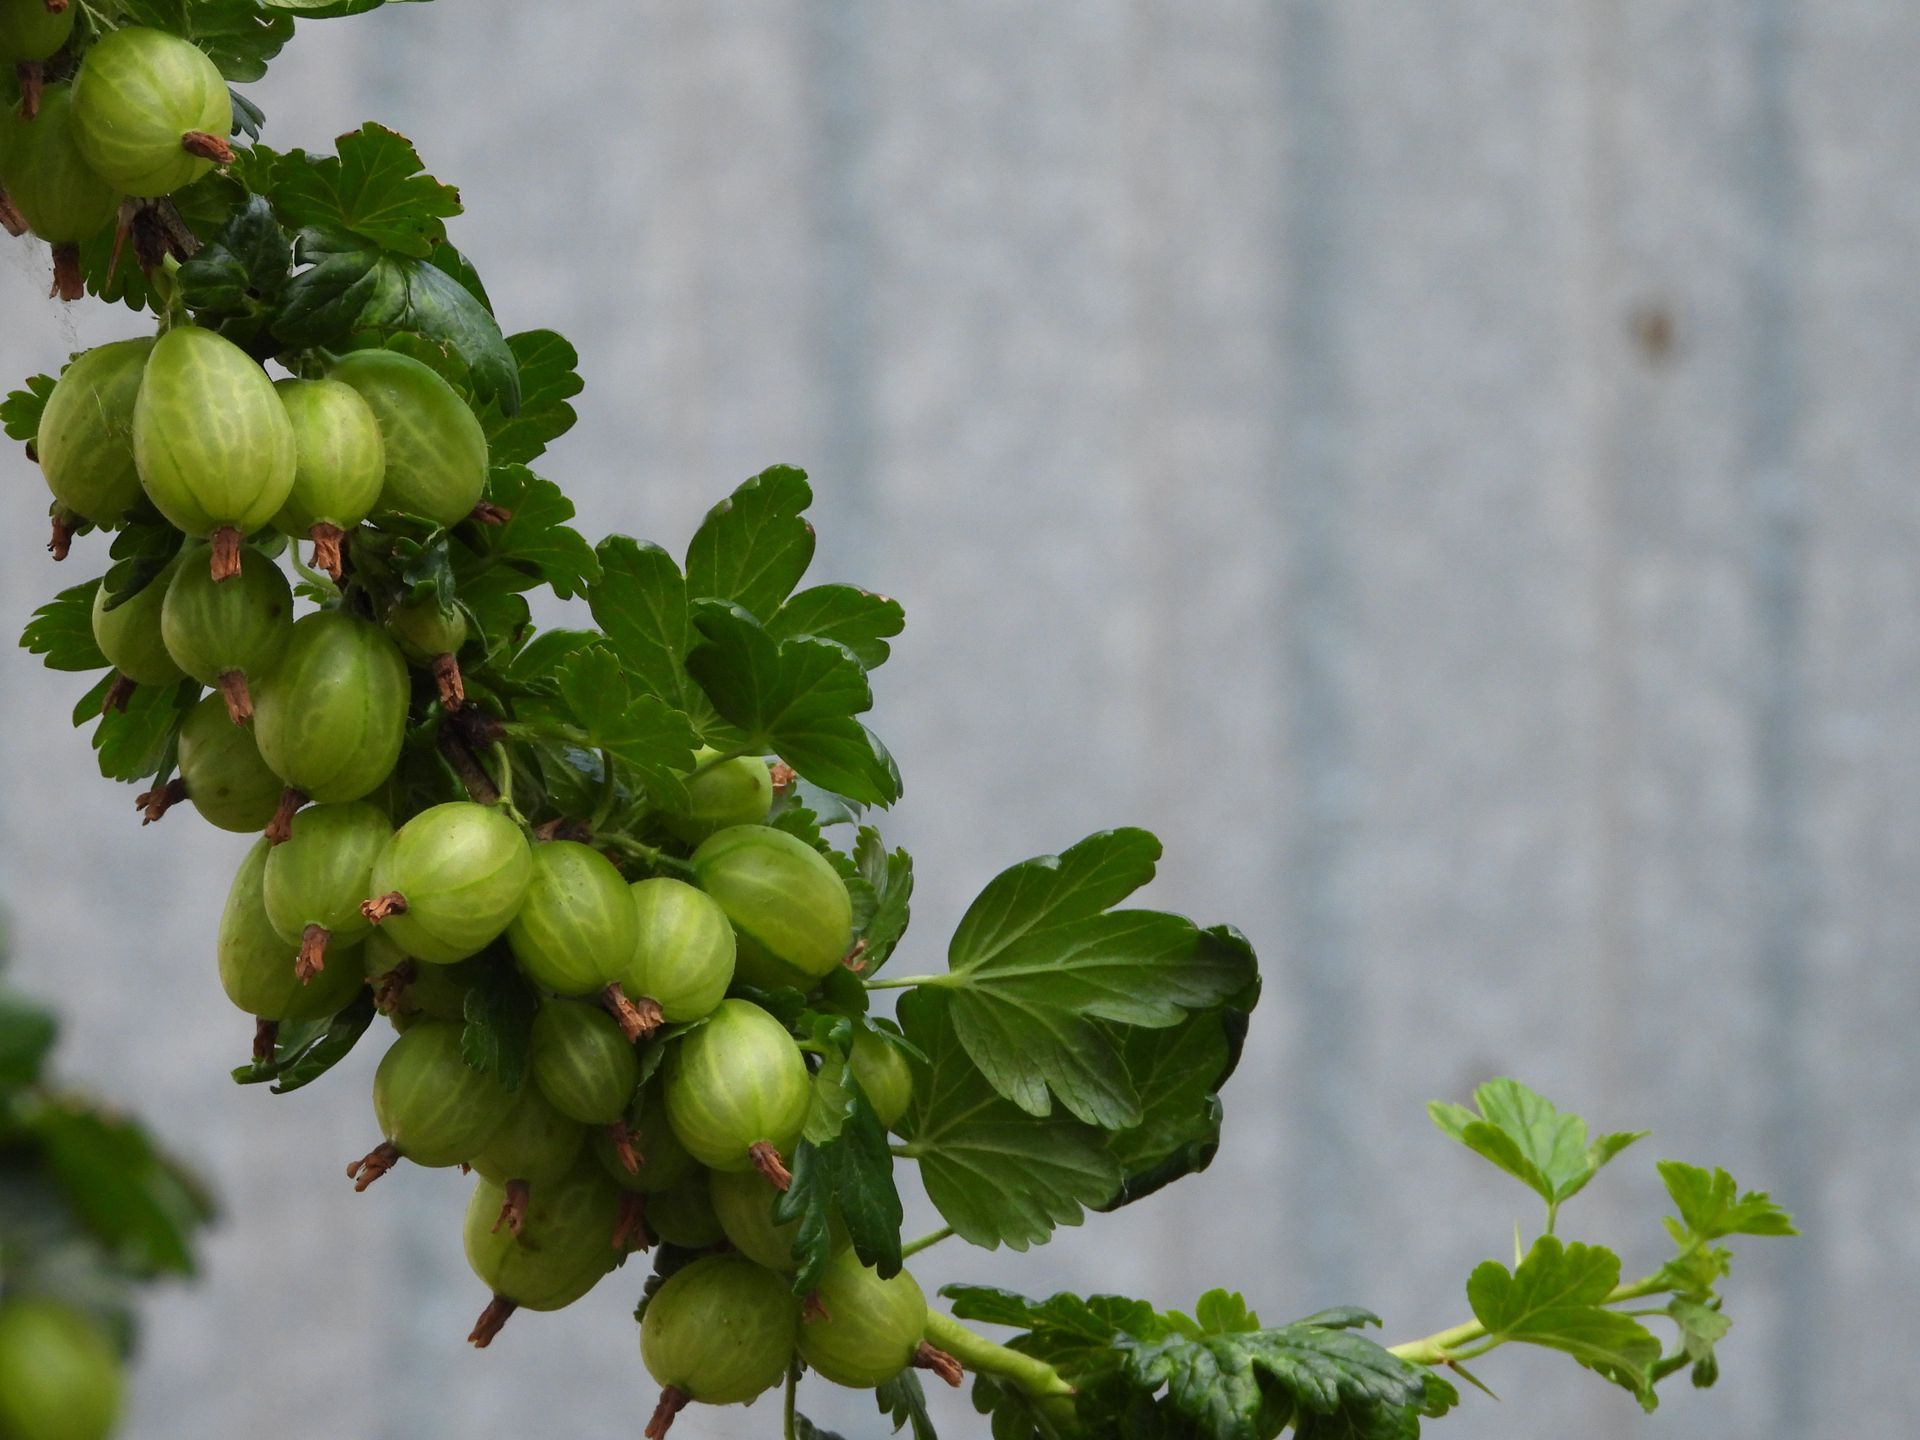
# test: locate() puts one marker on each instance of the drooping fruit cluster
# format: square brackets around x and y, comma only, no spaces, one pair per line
[135,113]
[589,875]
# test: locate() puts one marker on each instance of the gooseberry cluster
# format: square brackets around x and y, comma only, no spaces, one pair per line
[619,890]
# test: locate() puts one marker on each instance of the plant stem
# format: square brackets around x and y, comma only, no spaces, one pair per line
[652,854]
[978,1353]
[926,1242]
[902,982]
[787,1414]
[1444,1345]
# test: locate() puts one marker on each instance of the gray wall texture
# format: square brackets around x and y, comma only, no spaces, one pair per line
[1449,468]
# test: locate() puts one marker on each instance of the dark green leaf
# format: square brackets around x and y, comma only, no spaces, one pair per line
[242,273]
[62,631]
[1712,1206]
[1556,1298]
[1038,961]
[536,540]
[142,1206]
[132,743]
[753,547]
[20,411]
[374,187]
[326,9]
[1177,1072]
[999,1175]
[546,365]
[796,698]
[857,619]
[305,1050]
[902,1400]
[27,1033]
[641,731]
[890,878]
[240,36]
[1523,1134]
[499,1013]
[805,1429]
[640,601]
[852,1175]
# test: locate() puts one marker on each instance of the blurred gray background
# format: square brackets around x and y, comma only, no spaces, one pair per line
[1448,468]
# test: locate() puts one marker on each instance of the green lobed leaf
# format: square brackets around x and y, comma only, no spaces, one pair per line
[855,618]
[236,280]
[1523,1134]
[240,36]
[753,547]
[61,631]
[903,1400]
[1702,1327]
[374,187]
[546,364]
[640,730]
[889,877]
[796,698]
[999,1175]
[20,411]
[1039,961]
[1177,1072]
[132,744]
[536,541]
[1555,1297]
[305,1050]
[1711,1205]
[851,1174]
[640,601]
[141,1205]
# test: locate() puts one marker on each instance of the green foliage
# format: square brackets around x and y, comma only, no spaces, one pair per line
[1526,1137]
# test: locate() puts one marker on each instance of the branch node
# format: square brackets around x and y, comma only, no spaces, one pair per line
[266,1034]
[224,559]
[61,543]
[381,906]
[280,829]
[638,1018]
[371,1166]
[207,146]
[928,1357]
[672,1401]
[233,689]
[499,1310]
[152,804]
[327,540]
[313,953]
[767,1161]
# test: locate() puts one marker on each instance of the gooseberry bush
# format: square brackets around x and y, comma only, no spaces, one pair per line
[621,889]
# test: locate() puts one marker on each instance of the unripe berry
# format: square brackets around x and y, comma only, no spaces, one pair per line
[450,881]
[436,452]
[573,933]
[147,102]
[734,792]
[582,1062]
[222,772]
[331,717]
[683,953]
[737,1090]
[863,1330]
[85,440]
[257,966]
[59,1372]
[793,915]
[720,1331]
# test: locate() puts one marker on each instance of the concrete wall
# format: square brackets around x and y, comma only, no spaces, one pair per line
[1448,468]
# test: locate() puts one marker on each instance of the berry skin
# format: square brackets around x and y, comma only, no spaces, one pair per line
[436,452]
[130,634]
[140,99]
[734,792]
[461,871]
[424,632]
[340,463]
[30,31]
[62,200]
[317,878]
[434,1108]
[720,1331]
[330,718]
[211,438]
[574,932]
[737,1088]
[256,965]
[684,1216]
[226,632]
[743,1203]
[582,1062]
[85,441]
[683,953]
[535,1143]
[792,913]
[60,1375]
[564,1247]
[661,1161]
[864,1330]
[885,1075]
[227,781]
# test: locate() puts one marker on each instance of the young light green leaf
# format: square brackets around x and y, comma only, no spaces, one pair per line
[851,1175]
[61,631]
[857,619]
[1711,1205]
[796,698]
[1039,961]
[999,1175]
[640,601]
[374,187]
[753,547]
[1522,1133]
[1555,1298]
[1702,1327]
